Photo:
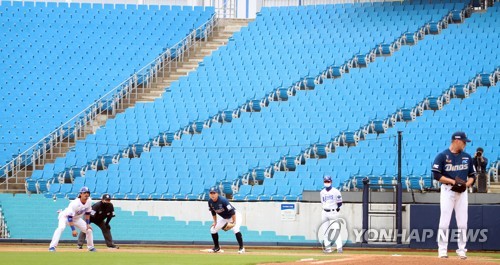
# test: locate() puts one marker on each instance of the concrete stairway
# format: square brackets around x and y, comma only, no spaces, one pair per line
[225,29]
[494,187]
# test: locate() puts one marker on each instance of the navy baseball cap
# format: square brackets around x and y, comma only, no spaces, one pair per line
[214,189]
[327,179]
[460,136]
[84,190]
[106,197]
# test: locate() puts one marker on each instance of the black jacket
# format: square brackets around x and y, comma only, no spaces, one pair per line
[480,165]
[101,211]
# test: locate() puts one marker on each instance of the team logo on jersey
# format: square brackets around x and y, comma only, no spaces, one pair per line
[449,167]
[332,230]
[219,209]
[328,197]
[79,212]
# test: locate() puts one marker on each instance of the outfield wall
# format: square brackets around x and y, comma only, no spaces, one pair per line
[303,220]
[483,226]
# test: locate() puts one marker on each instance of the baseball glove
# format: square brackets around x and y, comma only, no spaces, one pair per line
[459,186]
[228,226]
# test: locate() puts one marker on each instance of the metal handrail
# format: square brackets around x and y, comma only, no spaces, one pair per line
[140,79]
[4,232]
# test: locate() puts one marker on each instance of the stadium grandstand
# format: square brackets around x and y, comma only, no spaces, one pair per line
[154,104]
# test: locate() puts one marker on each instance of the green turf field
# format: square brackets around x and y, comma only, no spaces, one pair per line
[134,258]
[34,255]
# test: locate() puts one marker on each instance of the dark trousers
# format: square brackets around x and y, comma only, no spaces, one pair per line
[105,232]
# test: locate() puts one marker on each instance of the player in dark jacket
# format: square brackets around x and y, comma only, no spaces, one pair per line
[101,215]
[228,215]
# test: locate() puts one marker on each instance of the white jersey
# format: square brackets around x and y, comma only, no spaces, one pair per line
[330,198]
[77,209]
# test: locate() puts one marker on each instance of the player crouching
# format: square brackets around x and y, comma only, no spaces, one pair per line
[228,219]
[72,216]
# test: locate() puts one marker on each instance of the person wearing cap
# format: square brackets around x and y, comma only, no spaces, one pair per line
[72,216]
[480,163]
[331,201]
[449,167]
[219,205]
[102,212]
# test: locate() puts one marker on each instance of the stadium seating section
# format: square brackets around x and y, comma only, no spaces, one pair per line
[223,154]
[58,60]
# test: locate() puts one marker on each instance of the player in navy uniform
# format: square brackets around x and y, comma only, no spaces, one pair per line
[453,168]
[219,205]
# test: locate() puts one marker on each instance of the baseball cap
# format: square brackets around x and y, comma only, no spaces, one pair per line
[460,136]
[214,189]
[84,190]
[106,197]
[480,149]
[327,179]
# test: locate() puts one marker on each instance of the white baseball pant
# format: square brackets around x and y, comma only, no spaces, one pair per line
[79,223]
[221,222]
[449,201]
[331,216]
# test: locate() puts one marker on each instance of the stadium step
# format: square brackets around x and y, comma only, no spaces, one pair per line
[494,187]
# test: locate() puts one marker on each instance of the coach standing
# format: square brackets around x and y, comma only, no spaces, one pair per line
[454,169]
[101,215]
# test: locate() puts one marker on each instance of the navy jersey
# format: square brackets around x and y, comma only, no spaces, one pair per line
[221,207]
[453,165]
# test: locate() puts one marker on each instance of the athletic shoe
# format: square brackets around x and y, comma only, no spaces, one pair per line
[461,254]
[443,256]
[114,246]
[241,251]
[327,250]
[214,250]
[340,251]
[52,249]
[80,246]
[92,250]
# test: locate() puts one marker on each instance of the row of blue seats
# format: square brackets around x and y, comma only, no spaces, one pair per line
[387,183]
[51,7]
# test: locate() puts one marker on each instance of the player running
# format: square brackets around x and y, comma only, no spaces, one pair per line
[454,169]
[228,219]
[72,216]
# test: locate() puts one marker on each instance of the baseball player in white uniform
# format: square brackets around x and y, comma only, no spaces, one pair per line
[331,201]
[454,169]
[72,216]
